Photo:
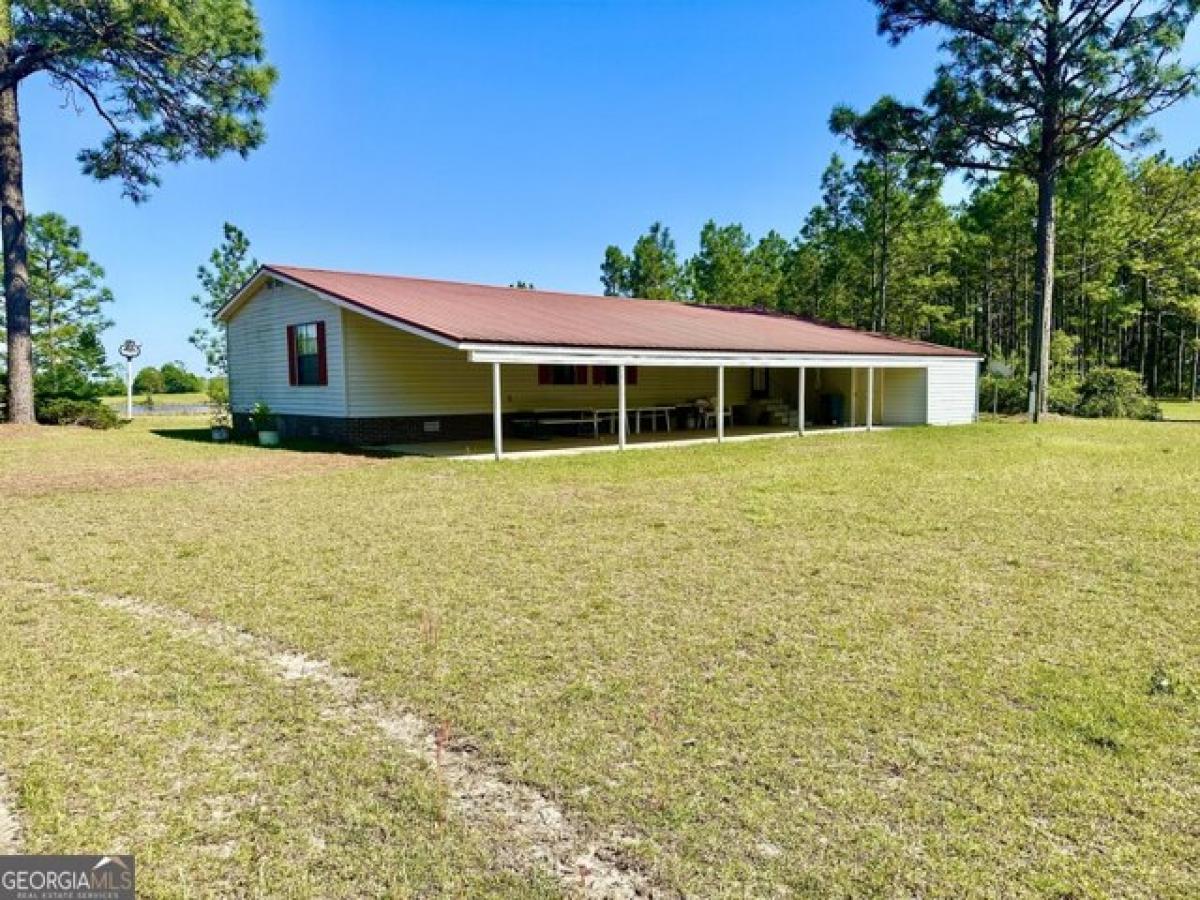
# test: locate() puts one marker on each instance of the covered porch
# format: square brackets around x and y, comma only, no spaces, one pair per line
[731,399]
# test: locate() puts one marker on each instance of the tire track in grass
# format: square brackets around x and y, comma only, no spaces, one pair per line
[525,829]
[10,826]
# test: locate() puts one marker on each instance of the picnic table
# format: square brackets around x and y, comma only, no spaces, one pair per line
[540,418]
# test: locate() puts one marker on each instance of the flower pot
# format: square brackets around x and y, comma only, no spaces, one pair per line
[268,438]
[220,434]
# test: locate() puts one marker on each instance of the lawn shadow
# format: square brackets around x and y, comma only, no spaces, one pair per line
[299,445]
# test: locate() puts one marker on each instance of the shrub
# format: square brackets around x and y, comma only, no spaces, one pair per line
[86,413]
[113,386]
[65,382]
[1063,396]
[177,379]
[1115,394]
[1008,395]
[218,403]
[263,417]
[148,381]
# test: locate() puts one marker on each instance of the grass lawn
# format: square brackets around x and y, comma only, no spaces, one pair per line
[936,662]
[1180,410]
[198,398]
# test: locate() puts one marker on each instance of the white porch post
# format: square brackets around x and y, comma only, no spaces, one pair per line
[622,413]
[870,399]
[853,397]
[882,396]
[497,413]
[800,402]
[720,403]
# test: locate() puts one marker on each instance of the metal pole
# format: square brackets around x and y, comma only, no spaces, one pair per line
[720,403]
[800,403]
[622,412]
[853,397]
[497,413]
[128,388]
[870,399]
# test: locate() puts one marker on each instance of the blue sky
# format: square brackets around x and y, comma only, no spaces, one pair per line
[493,140]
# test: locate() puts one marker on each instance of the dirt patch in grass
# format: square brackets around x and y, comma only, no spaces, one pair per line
[119,735]
[537,836]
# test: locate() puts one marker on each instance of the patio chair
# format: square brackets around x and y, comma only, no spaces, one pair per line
[707,408]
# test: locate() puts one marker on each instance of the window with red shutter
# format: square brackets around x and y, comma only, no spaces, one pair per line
[322,356]
[307,356]
[291,349]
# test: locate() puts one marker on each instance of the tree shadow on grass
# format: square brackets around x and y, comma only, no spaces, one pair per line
[297,445]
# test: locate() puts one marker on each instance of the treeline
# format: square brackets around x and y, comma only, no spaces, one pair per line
[882,250]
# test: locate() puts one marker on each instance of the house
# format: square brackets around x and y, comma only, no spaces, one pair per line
[376,359]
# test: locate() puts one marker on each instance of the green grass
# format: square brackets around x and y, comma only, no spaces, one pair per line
[1180,410]
[221,781]
[197,398]
[914,662]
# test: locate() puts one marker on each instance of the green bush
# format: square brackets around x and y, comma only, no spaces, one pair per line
[176,379]
[1115,394]
[86,413]
[1063,396]
[113,386]
[64,382]
[148,381]
[1009,395]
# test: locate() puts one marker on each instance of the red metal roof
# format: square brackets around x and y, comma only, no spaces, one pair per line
[472,313]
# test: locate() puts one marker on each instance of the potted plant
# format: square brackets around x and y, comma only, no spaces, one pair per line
[265,424]
[221,420]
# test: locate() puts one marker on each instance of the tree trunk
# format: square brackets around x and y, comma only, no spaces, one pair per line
[885,247]
[1043,306]
[16,272]
[1195,361]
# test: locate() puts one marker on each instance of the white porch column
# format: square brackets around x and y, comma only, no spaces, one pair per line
[870,399]
[622,412]
[800,402]
[497,413]
[853,397]
[720,403]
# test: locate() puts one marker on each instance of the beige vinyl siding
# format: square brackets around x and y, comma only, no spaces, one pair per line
[258,354]
[904,395]
[953,387]
[393,373]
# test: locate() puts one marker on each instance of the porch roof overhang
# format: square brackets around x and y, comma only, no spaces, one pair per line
[513,354]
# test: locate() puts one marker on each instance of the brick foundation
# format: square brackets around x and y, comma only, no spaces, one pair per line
[385,430]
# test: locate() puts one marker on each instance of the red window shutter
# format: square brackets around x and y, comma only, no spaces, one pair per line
[293,374]
[322,366]
[544,376]
[598,375]
[581,374]
[631,374]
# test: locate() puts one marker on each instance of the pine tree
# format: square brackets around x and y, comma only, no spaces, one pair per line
[167,80]
[67,297]
[229,267]
[1030,86]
